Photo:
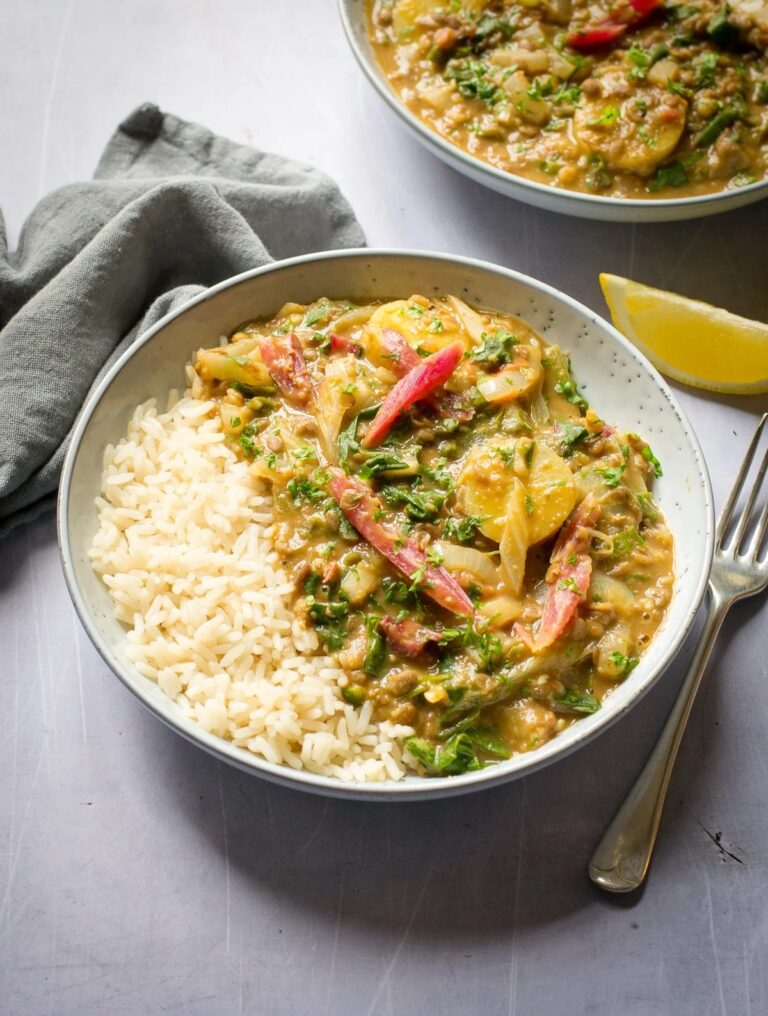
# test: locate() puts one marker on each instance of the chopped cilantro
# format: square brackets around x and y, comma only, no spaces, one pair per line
[464,529]
[247,441]
[624,664]
[570,434]
[302,489]
[706,70]
[305,453]
[470,78]
[569,390]
[598,176]
[419,505]
[578,701]
[650,457]
[507,456]
[625,541]
[612,476]
[565,93]
[496,349]
[609,115]
[396,591]
[456,756]
[315,315]
[435,556]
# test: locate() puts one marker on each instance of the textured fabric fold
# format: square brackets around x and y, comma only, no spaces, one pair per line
[172,209]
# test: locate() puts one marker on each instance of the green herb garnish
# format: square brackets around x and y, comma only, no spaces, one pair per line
[570,434]
[569,390]
[464,529]
[625,541]
[496,349]
[577,701]
[624,664]
[650,457]
[612,476]
[672,175]
[376,653]
[419,505]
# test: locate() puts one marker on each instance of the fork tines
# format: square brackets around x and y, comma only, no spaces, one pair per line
[748,520]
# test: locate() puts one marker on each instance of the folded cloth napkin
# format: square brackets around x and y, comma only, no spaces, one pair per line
[172,209]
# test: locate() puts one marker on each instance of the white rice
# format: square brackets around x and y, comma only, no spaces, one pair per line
[185,548]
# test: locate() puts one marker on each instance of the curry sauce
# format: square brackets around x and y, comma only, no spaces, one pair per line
[476,547]
[635,99]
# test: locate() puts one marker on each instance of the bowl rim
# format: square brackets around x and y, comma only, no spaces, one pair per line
[589,727]
[506,179]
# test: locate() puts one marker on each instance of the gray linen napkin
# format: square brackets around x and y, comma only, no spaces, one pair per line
[172,210]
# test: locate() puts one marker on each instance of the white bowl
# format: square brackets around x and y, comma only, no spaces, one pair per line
[613,374]
[554,199]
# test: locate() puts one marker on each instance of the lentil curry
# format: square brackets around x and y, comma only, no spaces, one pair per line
[478,550]
[641,98]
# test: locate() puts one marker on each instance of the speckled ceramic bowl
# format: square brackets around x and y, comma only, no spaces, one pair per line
[587,206]
[614,376]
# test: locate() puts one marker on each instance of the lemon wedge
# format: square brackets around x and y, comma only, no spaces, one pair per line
[688,340]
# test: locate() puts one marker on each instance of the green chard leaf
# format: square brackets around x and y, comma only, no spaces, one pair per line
[419,505]
[454,757]
[570,434]
[376,654]
[578,701]
[381,462]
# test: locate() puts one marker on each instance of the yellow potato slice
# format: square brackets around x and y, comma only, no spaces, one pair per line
[421,327]
[406,12]
[632,135]
[488,477]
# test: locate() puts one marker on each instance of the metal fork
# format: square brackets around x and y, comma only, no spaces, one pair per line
[622,857]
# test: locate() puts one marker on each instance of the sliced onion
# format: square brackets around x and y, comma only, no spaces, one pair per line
[466,559]
[351,318]
[513,546]
[360,580]
[540,410]
[510,383]
[234,418]
[612,591]
[501,610]
[615,641]
[470,320]
[332,403]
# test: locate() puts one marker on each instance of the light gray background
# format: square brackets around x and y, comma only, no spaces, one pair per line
[137,875]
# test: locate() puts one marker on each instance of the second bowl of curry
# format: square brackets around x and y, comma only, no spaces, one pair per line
[644,111]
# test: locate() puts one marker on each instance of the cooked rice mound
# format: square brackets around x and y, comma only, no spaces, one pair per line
[185,549]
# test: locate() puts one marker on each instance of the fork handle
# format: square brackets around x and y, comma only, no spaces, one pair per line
[622,857]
